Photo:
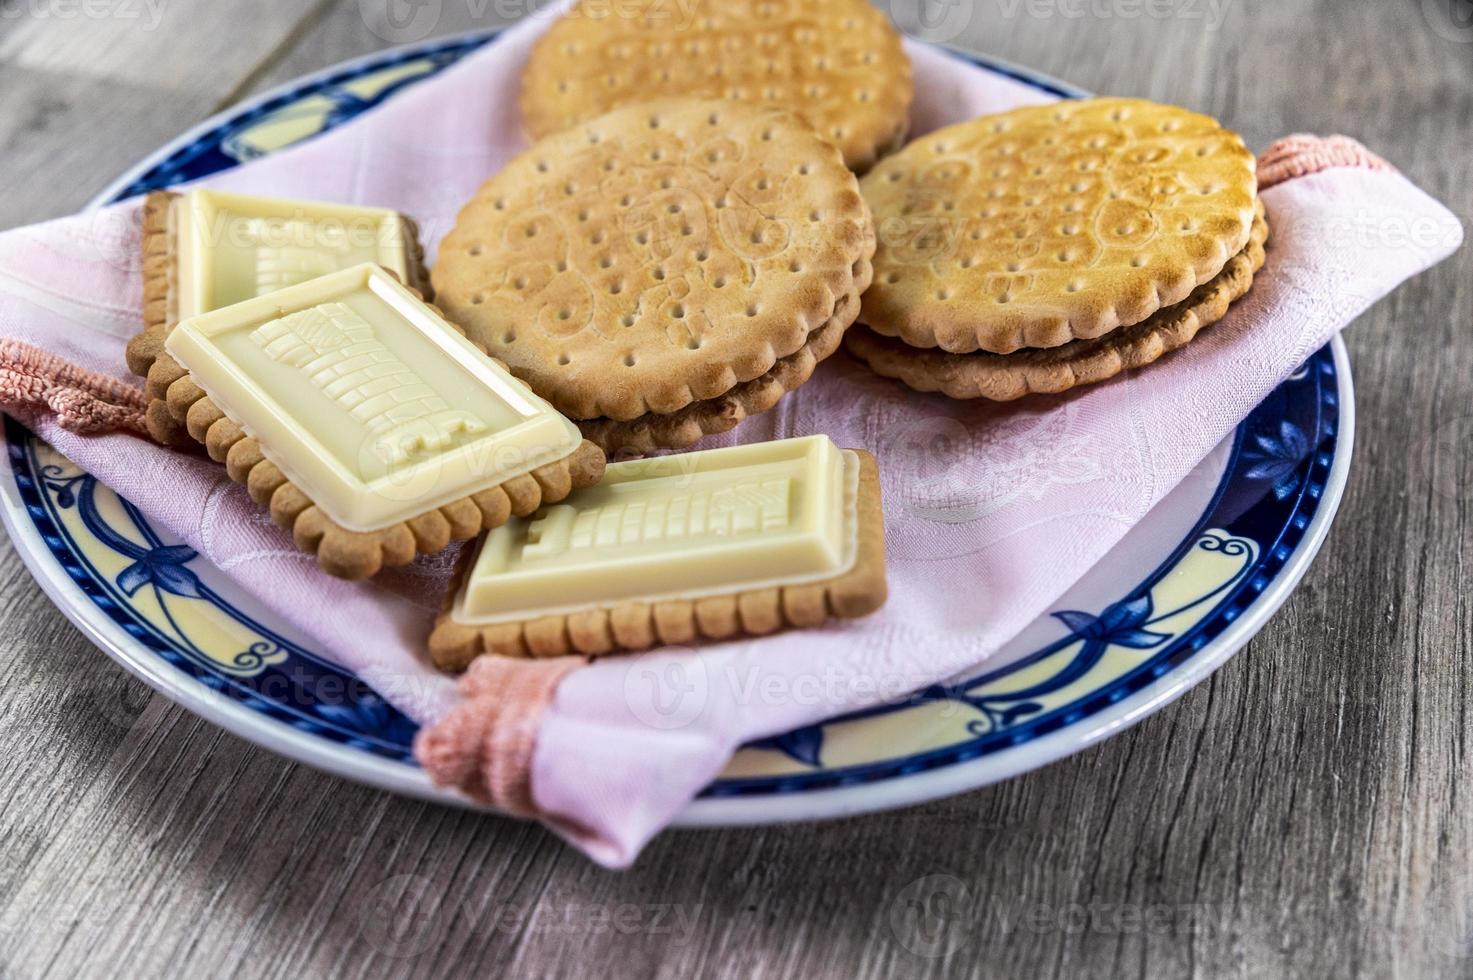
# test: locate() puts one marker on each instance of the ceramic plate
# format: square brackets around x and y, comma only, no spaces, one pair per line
[1182,593]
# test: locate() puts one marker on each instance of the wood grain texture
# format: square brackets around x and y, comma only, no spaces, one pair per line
[1306,812]
[83,94]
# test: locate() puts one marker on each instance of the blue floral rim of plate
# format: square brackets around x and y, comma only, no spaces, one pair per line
[1270,492]
[1265,501]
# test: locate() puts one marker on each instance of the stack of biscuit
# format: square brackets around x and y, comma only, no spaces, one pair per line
[686,240]
[661,272]
[1055,246]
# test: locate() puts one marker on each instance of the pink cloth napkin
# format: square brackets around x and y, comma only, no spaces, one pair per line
[993,512]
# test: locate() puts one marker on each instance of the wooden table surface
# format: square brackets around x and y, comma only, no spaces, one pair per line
[1306,812]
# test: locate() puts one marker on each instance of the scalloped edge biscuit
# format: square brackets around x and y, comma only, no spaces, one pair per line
[160,261]
[680,430]
[863,138]
[791,314]
[630,627]
[954,310]
[1006,377]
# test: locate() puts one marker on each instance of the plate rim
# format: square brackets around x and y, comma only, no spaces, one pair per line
[900,790]
[989,769]
[163,678]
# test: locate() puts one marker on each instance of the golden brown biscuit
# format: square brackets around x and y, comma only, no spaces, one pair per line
[680,430]
[639,626]
[1004,377]
[1053,223]
[659,257]
[160,249]
[838,63]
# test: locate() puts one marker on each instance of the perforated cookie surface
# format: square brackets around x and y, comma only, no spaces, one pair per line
[1004,377]
[682,429]
[839,63]
[657,256]
[1053,223]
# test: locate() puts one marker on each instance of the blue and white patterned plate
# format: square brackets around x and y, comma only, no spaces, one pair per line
[1209,566]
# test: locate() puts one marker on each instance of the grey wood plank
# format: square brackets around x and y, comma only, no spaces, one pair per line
[1305,812]
[349,30]
[83,96]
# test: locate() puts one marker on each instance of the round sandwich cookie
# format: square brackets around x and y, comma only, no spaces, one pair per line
[839,63]
[661,272]
[1050,370]
[1054,224]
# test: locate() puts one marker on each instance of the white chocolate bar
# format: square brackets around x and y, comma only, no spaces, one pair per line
[366,399]
[232,247]
[715,522]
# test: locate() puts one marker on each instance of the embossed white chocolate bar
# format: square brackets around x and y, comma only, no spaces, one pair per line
[234,247]
[706,523]
[367,399]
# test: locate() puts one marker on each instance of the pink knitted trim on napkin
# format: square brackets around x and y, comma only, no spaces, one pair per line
[84,401]
[484,745]
[1302,154]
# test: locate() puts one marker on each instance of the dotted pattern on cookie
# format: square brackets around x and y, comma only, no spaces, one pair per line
[1052,223]
[658,256]
[838,63]
[1005,377]
[682,429]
